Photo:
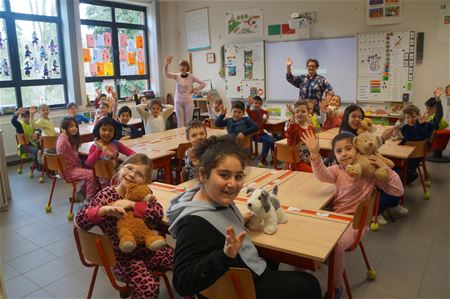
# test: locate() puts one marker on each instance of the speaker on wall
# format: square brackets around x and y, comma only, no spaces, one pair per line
[419,49]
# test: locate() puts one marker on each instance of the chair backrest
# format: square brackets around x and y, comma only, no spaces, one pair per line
[287,153]
[235,283]
[55,163]
[181,150]
[104,169]
[246,143]
[88,250]
[48,142]
[21,139]
[212,123]
[420,148]
[182,175]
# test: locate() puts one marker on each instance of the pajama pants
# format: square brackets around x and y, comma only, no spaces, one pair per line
[184,112]
[85,175]
[137,272]
[267,142]
[343,244]
[300,166]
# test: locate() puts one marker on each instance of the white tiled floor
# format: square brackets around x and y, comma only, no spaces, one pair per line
[411,256]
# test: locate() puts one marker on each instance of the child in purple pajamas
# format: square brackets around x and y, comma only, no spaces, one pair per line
[108,205]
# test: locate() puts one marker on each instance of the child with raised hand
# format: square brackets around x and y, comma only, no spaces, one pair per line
[134,268]
[126,131]
[105,146]
[72,110]
[154,119]
[316,119]
[101,112]
[209,208]
[67,146]
[435,111]
[214,105]
[44,122]
[297,125]
[333,116]
[260,117]
[23,126]
[350,191]
[416,128]
[237,125]
[196,134]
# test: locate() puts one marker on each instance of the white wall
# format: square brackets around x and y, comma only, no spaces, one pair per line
[334,19]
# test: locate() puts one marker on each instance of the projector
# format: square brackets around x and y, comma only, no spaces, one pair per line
[300,23]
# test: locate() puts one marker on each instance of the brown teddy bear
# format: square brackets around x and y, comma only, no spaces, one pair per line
[367,144]
[133,230]
[366,125]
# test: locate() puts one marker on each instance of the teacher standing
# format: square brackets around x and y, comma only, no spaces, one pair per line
[311,86]
[184,104]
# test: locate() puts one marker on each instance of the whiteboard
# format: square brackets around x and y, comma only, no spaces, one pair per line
[197,29]
[337,59]
[386,66]
[244,70]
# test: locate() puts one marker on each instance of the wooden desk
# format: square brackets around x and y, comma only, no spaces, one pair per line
[305,241]
[275,126]
[86,129]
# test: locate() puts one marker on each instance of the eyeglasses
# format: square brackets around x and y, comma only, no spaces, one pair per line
[312,66]
[137,173]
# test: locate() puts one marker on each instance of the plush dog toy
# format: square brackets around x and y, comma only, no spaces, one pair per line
[367,144]
[267,210]
[365,125]
[133,230]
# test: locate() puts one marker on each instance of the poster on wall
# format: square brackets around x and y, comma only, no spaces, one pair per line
[444,23]
[244,23]
[382,12]
[197,29]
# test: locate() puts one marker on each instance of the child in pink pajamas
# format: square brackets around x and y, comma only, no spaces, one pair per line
[67,146]
[350,191]
[184,104]
[134,268]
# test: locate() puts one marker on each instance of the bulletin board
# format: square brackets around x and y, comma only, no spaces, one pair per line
[244,70]
[197,29]
[386,66]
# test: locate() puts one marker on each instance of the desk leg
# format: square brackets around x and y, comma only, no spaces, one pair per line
[331,275]
[275,164]
[167,174]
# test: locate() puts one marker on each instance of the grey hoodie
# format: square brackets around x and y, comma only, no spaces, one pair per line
[219,217]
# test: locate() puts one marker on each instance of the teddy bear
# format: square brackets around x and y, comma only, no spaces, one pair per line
[365,125]
[133,231]
[266,209]
[367,144]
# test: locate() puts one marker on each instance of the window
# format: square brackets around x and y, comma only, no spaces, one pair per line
[31,54]
[114,37]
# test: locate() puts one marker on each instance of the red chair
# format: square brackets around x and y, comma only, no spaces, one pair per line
[285,153]
[47,143]
[361,219]
[439,142]
[96,251]
[179,159]
[56,168]
[22,140]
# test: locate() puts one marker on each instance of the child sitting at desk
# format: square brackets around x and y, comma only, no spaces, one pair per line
[72,110]
[155,119]
[298,124]
[237,125]
[416,128]
[196,134]
[126,131]
[316,119]
[44,123]
[260,116]
[23,126]
[214,106]
[350,191]
[333,116]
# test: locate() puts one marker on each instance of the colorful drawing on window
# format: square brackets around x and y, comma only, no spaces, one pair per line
[109,69]
[90,41]
[99,40]
[122,54]
[140,54]
[107,39]
[86,55]
[123,40]
[131,58]
[139,41]
[93,69]
[141,68]
[100,68]
[106,55]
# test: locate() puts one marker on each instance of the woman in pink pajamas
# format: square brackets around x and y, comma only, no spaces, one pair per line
[67,146]
[184,104]
[134,268]
[350,191]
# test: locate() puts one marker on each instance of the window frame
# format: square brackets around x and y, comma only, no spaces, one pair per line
[17,80]
[115,26]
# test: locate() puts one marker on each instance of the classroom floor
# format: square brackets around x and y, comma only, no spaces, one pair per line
[411,256]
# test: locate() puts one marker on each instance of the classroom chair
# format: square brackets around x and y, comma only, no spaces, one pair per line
[420,152]
[182,175]
[235,283]
[285,153]
[179,159]
[47,143]
[96,251]
[361,219]
[22,140]
[56,169]
[439,141]
[210,123]
[103,170]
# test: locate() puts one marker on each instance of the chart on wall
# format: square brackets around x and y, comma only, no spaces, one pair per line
[386,66]
[244,70]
